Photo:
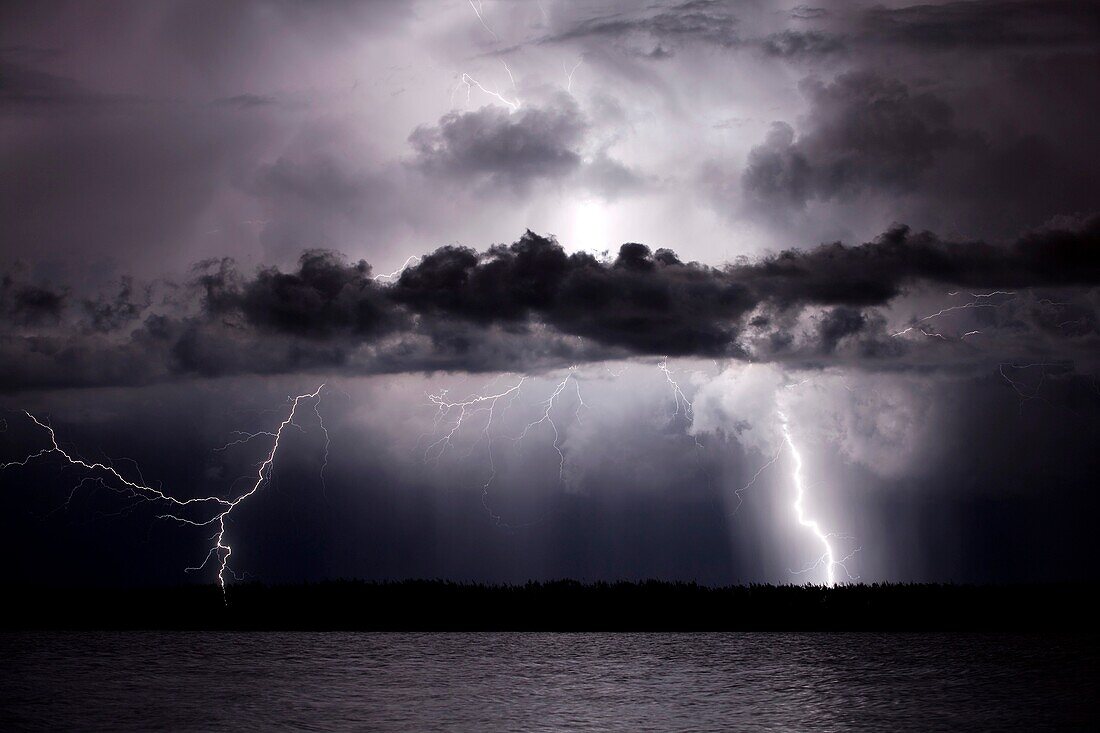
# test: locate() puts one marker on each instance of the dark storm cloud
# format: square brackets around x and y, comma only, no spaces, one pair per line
[707,23]
[325,297]
[531,305]
[875,272]
[107,314]
[839,323]
[969,117]
[865,132]
[792,44]
[985,24]
[641,301]
[993,25]
[23,303]
[696,21]
[930,153]
[501,147]
[509,151]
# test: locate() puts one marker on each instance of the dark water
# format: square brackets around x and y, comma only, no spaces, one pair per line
[479,682]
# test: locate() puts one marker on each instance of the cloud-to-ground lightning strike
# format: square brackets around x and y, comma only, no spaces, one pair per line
[829,557]
[219,506]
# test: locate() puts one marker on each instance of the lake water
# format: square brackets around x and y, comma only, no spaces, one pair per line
[535,682]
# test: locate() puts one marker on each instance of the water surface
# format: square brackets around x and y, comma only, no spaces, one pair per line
[544,682]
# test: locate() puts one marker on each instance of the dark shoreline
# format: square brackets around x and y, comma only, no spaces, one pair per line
[558,606]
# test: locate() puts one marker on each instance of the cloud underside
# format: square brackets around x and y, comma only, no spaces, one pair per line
[531,306]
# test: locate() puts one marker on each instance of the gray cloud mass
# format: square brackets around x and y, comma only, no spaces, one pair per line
[516,307]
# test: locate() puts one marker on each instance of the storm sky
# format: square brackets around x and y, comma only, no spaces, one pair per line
[669,234]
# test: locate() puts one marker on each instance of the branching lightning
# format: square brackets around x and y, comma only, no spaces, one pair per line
[454,414]
[978,300]
[390,276]
[451,416]
[469,82]
[1023,392]
[683,405]
[678,396]
[217,508]
[548,405]
[471,405]
[569,74]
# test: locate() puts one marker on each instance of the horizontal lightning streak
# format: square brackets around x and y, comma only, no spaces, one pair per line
[979,301]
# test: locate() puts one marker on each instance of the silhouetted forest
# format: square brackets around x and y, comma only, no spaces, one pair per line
[561,605]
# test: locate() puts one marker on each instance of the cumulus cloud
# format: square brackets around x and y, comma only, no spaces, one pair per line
[501,147]
[865,132]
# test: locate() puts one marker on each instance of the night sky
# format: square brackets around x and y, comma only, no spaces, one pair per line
[592,290]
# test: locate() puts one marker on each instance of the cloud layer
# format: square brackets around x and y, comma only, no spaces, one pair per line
[531,305]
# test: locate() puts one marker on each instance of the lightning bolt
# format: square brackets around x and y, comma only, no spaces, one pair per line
[828,558]
[548,406]
[683,404]
[739,493]
[495,405]
[509,72]
[478,8]
[1025,394]
[678,396]
[979,300]
[390,276]
[218,508]
[569,74]
[470,82]
[470,406]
